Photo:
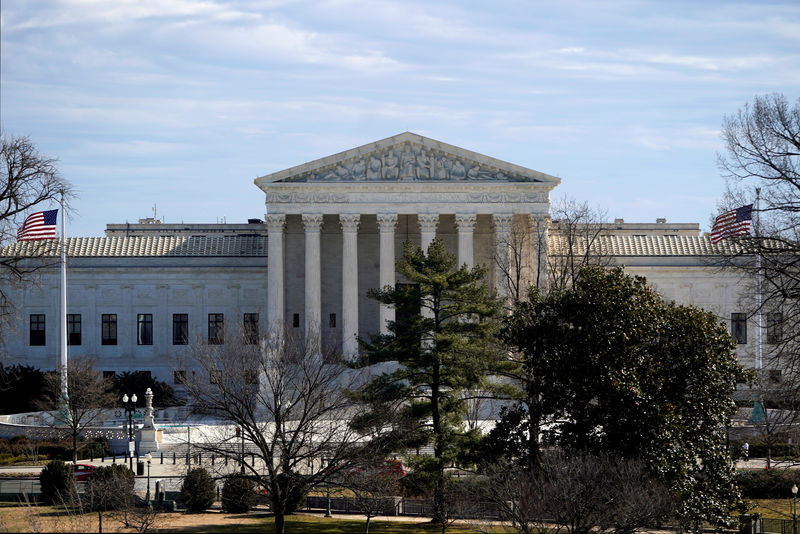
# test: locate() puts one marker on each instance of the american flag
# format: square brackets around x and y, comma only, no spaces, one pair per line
[732,223]
[39,225]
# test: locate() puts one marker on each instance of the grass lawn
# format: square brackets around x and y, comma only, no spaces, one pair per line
[774,508]
[18,518]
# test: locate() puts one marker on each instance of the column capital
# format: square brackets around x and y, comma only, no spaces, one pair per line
[466,221]
[502,221]
[349,221]
[428,221]
[312,222]
[275,222]
[387,222]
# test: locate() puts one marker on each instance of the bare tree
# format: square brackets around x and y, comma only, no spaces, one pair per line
[88,394]
[577,494]
[575,240]
[28,179]
[373,484]
[290,404]
[762,158]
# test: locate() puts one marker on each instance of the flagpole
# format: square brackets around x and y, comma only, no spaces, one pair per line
[759,358]
[65,415]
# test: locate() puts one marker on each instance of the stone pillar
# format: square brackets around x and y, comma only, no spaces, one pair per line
[539,228]
[386,224]
[466,228]
[275,311]
[313,290]
[427,229]
[349,222]
[502,235]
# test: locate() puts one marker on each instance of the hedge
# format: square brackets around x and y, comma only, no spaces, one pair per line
[767,484]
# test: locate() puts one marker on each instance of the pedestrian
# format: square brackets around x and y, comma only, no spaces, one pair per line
[746,451]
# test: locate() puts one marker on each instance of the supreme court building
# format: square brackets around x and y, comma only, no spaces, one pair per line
[333,228]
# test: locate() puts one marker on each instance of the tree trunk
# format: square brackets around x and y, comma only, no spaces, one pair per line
[439,515]
[74,447]
[279,521]
[366,524]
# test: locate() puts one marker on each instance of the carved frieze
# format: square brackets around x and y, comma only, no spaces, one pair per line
[302,197]
[406,163]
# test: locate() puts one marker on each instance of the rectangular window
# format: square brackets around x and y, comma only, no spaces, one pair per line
[774,328]
[37,337]
[295,320]
[144,329]
[180,328]
[739,328]
[775,376]
[332,320]
[109,329]
[216,326]
[179,377]
[250,328]
[73,329]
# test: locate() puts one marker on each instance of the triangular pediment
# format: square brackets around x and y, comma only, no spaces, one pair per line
[407,157]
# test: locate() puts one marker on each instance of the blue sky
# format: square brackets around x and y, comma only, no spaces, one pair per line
[182,104]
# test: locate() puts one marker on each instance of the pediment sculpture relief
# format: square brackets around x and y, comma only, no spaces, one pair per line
[406,163]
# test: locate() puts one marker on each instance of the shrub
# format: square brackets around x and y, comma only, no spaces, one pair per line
[57,482]
[110,487]
[767,484]
[198,490]
[238,494]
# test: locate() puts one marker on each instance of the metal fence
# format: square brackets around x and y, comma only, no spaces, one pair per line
[775,526]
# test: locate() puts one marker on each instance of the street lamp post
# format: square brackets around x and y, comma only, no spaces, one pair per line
[794,509]
[328,507]
[130,407]
[240,433]
[149,458]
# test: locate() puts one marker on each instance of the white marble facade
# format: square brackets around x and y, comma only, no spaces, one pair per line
[336,225]
[333,229]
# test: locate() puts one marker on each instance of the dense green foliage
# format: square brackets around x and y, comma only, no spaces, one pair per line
[611,367]
[446,350]
[20,389]
[110,487]
[57,482]
[767,483]
[130,382]
[198,490]
[238,494]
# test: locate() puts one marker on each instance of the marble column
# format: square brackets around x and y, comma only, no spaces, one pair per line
[427,229]
[313,288]
[386,225]
[466,229]
[275,312]
[349,222]
[502,236]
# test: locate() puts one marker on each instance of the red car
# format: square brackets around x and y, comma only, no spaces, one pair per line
[82,471]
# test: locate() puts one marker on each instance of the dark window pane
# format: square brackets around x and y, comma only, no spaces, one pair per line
[109,329]
[179,377]
[73,329]
[774,328]
[216,325]
[739,327]
[295,320]
[332,320]
[144,329]
[180,328]
[37,330]
[250,328]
